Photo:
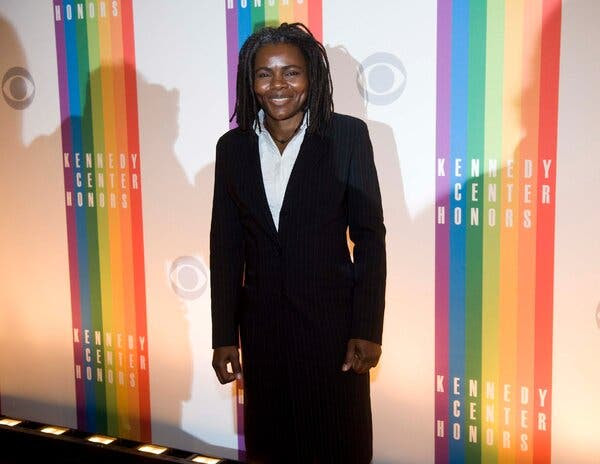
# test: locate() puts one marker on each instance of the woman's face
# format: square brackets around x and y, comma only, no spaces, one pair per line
[280,80]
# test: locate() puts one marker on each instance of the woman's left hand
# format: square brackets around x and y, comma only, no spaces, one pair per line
[361,355]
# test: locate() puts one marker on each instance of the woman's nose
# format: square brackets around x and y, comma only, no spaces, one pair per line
[278,82]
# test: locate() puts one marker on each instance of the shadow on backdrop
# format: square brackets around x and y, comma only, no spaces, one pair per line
[34,324]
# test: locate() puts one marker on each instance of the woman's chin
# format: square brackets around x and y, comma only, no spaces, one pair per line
[281,113]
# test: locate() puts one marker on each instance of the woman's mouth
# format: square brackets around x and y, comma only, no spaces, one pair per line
[280,100]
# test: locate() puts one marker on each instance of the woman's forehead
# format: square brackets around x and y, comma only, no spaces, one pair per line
[278,51]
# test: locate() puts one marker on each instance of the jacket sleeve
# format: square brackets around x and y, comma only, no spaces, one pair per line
[226,257]
[367,231]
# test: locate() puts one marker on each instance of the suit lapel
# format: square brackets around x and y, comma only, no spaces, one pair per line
[257,187]
[312,150]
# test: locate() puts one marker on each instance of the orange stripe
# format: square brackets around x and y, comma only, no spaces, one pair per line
[301,12]
[125,223]
[113,193]
[286,13]
[527,236]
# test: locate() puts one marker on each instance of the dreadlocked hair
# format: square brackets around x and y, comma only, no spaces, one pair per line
[320,94]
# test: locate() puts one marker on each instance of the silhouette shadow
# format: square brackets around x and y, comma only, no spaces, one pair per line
[37,339]
[348,100]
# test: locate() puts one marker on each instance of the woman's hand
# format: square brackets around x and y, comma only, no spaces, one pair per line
[361,355]
[222,356]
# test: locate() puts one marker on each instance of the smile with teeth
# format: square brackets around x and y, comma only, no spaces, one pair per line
[279,100]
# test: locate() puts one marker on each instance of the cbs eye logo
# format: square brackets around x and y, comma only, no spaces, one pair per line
[381,78]
[188,277]
[18,88]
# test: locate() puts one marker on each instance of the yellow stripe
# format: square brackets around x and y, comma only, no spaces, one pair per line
[509,237]
[121,415]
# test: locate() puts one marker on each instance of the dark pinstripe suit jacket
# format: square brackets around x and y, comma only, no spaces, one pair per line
[297,288]
[296,296]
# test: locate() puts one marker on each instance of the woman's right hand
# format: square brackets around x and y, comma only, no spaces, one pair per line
[222,356]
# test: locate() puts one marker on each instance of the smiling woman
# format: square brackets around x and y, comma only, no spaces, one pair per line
[303,53]
[290,180]
[281,88]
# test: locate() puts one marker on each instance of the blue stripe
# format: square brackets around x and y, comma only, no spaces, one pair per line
[76,110]
[458,150]
[244,23]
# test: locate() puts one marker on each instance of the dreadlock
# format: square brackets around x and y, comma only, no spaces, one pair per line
[320,95]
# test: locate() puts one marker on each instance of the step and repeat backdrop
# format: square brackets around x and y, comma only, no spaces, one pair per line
[482,115]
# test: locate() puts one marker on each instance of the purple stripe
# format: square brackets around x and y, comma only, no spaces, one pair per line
[232,56]
[231,20]
[444,30]
[67,146]
[62,80]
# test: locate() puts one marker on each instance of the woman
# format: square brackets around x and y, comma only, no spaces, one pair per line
[289,181]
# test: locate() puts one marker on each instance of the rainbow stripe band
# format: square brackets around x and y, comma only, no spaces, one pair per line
[243,17]
[98,105]
[497,79]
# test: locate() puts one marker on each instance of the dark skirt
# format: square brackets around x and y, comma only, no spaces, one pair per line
[297,412]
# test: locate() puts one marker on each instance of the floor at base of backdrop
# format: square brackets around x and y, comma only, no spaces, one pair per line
[26,442]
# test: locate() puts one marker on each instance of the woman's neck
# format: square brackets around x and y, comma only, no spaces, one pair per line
[282,131]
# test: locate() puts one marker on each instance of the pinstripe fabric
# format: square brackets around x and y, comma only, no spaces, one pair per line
[296,295]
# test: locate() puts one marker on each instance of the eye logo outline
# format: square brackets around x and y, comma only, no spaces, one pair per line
[381,60]
[184,291]
[10,80]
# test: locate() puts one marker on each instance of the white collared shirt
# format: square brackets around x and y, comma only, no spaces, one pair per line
[276,167]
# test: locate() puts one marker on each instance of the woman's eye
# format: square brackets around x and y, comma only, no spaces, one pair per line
[292,73]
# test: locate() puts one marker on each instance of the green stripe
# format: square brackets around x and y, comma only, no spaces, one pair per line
[258,16]
[91,222]
[475,137]
[491,235]
[271,14]
[101,213]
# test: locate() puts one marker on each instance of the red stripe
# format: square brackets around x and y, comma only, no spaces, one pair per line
[136,214]
[549,73]
[315,18]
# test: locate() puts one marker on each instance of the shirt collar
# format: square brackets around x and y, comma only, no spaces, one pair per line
[259,124]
